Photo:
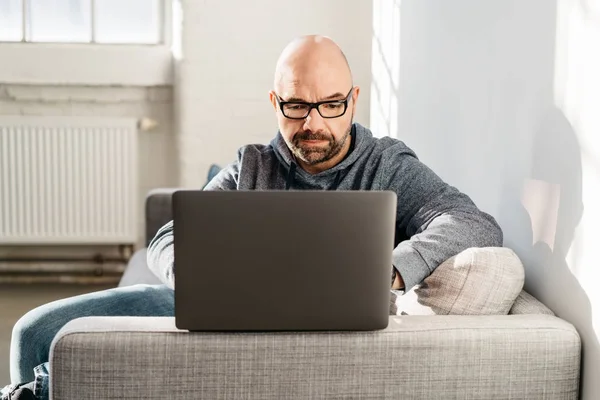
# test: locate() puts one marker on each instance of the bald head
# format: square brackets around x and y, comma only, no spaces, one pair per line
[307,57]
[313,70]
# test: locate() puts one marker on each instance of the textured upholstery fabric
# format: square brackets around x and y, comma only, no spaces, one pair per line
[158,211]
[158,205]
[478,281]
[416,357]
[527,304]
[137,271]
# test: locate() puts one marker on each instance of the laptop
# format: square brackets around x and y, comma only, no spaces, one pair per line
[283,260]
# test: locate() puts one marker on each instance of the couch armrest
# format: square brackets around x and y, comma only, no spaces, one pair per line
[158,210]
[483,357]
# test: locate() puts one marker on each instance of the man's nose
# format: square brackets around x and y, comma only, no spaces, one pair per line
[313,121]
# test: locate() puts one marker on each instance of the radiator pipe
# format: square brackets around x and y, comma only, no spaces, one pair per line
[126,252]
[97,259]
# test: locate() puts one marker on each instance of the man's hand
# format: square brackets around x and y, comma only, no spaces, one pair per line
[398,283]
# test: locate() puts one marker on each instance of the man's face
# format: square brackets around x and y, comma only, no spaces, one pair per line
[314,139]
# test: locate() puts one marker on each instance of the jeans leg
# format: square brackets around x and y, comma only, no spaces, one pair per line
[34,332]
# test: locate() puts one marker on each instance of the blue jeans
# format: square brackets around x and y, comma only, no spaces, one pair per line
[34,332]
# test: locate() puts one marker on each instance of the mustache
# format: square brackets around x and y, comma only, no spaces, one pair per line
[309,135]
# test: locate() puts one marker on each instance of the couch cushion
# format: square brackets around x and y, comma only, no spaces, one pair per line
[213,171]
[478,281]
[433,357]
[137,271]
[527,304]
[158,211]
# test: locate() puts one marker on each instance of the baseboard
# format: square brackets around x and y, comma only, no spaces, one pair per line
[48,272]
[60,279]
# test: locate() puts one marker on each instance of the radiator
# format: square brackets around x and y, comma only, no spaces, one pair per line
[66,180]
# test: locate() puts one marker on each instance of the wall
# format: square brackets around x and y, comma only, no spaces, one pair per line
[157,147]
[501,99]
[225,72]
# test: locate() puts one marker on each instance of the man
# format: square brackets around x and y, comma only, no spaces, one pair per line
[317,148]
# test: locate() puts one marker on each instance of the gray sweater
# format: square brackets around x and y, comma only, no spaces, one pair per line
[434,220]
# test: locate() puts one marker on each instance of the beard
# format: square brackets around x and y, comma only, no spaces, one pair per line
[312,154]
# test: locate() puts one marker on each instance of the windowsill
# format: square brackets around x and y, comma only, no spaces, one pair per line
[85,64]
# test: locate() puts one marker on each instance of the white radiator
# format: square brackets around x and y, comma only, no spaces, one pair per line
[67,180]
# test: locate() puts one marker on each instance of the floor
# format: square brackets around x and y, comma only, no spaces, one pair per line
[17,299]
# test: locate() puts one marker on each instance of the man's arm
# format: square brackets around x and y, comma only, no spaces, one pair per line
[398,283]
[160,255]
[438,220]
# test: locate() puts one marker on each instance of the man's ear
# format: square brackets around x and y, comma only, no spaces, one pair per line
[355,98]
[273,99]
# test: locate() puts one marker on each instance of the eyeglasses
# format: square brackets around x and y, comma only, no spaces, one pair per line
[327,109]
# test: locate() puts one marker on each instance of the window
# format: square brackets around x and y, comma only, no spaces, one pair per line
[88,42]
[82,21]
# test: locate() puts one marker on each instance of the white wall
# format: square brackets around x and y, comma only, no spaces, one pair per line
[229,50]
[221,88]
[157,147]
[501,99]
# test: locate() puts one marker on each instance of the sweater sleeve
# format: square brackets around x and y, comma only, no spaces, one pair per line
[434,220]
[160,255]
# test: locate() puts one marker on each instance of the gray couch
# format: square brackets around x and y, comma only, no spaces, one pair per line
[528,354]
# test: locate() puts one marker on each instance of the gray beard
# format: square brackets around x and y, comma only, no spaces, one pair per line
[313,156]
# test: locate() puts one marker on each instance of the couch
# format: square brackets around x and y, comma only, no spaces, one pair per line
[527,354]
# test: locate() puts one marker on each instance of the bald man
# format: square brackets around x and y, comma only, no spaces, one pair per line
[317,147]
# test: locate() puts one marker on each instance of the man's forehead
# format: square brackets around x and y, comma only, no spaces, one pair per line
[315,82]
[295,91]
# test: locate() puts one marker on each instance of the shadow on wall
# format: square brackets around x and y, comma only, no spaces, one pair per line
[543,223]
[471,87]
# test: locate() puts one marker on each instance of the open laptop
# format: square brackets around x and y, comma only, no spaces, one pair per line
[283,260]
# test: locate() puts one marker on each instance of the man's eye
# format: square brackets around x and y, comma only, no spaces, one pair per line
[295,107]
[334,106]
